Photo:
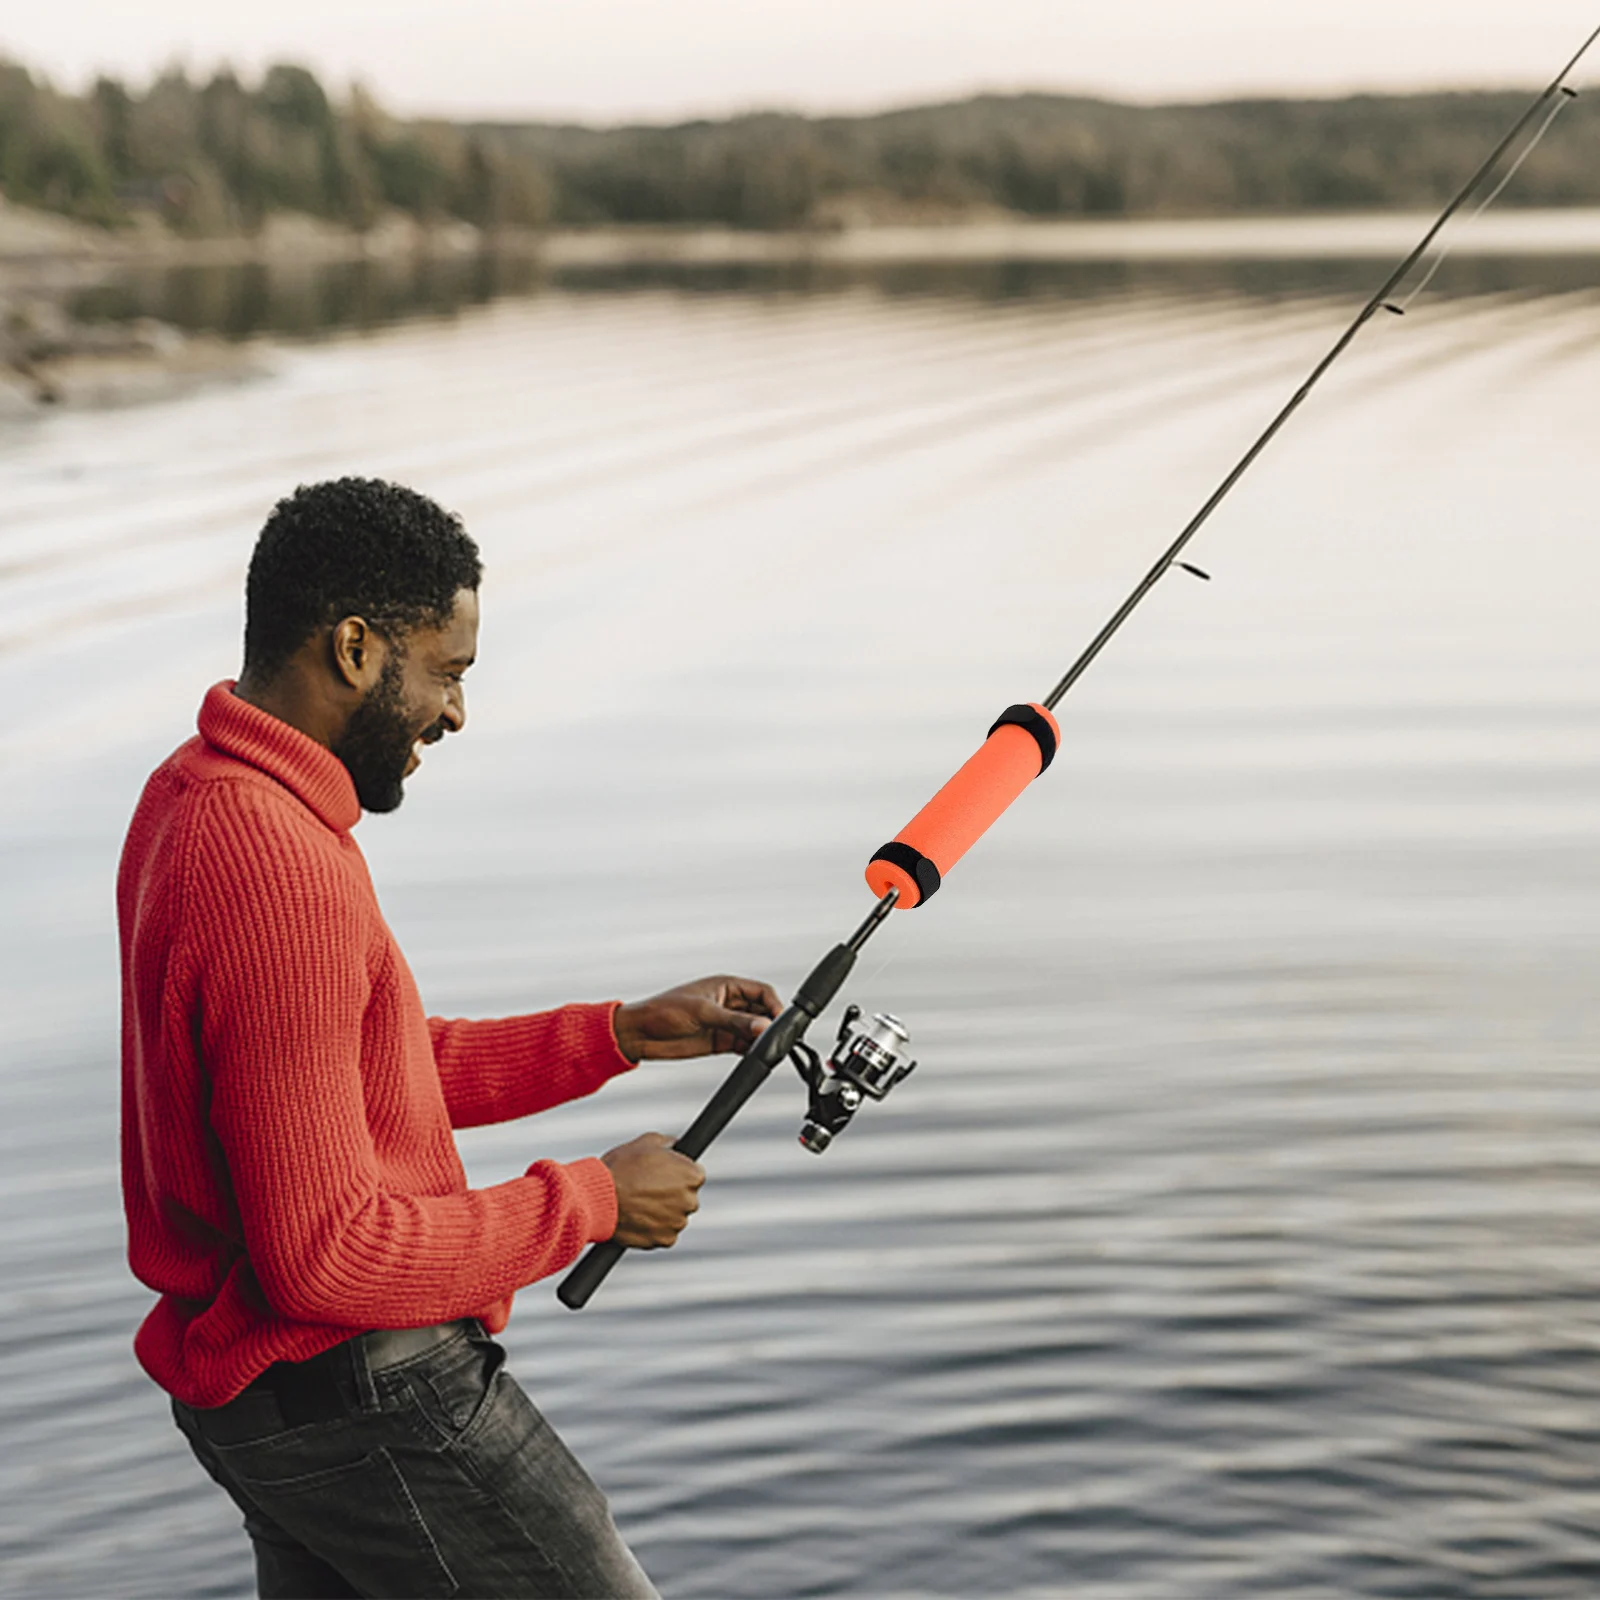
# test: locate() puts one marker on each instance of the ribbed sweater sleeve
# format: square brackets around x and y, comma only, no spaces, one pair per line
[347,1185]
[498,1071]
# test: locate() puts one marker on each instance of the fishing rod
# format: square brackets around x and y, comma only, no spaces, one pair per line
[866,1061]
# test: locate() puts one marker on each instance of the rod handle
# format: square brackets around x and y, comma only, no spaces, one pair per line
[771,1046]
[574,1289]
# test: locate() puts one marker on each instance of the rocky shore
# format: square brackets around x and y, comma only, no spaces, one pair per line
[49,357]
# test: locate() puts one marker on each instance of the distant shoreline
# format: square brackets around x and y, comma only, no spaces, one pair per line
[49,356]
[1574,231]
[39,240]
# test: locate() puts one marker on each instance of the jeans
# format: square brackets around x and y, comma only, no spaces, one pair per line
[433,1477]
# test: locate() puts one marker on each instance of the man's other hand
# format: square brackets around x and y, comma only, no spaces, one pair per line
[657,1191]
[708,1017]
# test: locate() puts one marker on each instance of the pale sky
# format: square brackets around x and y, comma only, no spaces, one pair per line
[611,60]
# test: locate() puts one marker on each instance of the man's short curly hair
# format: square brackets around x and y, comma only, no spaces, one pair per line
[353,547]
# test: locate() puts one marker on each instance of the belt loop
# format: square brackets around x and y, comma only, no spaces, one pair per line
[361,1374]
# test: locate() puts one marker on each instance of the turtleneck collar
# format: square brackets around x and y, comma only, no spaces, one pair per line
[309,770]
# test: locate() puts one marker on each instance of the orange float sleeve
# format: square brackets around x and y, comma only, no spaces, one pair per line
[1021,744]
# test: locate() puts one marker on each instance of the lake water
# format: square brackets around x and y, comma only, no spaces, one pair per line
[1240,1231]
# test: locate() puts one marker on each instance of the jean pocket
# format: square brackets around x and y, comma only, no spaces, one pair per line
[454,1387]
[362,1520]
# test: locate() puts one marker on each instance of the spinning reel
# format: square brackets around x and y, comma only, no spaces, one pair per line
[865,1062]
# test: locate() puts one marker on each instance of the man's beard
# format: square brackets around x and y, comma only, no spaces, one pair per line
[376,743]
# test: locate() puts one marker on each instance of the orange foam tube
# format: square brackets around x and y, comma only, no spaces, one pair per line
[965,808]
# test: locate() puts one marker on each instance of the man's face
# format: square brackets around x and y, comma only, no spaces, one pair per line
[417,700]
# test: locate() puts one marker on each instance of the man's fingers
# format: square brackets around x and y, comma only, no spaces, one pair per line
[746,994]
[712,1014]
[657,1191]
[740,1028]
[665,1141]
[742,1025]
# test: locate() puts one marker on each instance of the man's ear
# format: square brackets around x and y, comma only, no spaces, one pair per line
[358,652]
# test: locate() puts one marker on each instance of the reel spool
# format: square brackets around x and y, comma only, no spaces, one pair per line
[865,1063]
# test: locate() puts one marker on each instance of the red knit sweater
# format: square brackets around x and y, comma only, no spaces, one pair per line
[288,1168]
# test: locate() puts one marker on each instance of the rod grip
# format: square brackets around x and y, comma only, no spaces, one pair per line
[771,1046]
[574,1289]
[1021,744]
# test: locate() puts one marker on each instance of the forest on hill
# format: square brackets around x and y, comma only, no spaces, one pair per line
[219,156]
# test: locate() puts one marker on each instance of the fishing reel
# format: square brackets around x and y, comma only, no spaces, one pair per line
[865,1062]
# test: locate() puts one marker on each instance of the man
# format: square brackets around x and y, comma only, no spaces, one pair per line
[328,1283]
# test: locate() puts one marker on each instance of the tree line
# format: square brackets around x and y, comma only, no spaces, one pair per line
[219,156]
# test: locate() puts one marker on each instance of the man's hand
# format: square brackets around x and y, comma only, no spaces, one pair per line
[704,1018]
[657,1191]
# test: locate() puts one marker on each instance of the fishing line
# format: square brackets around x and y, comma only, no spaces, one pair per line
[867,1059]
[1563,100]
[881,968]
[1343,343]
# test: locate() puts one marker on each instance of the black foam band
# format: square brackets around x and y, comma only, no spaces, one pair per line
[1026,718]
[923,872]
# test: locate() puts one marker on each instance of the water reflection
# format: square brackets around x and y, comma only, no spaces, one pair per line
[300,300]
[1002,279]
[304,299]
